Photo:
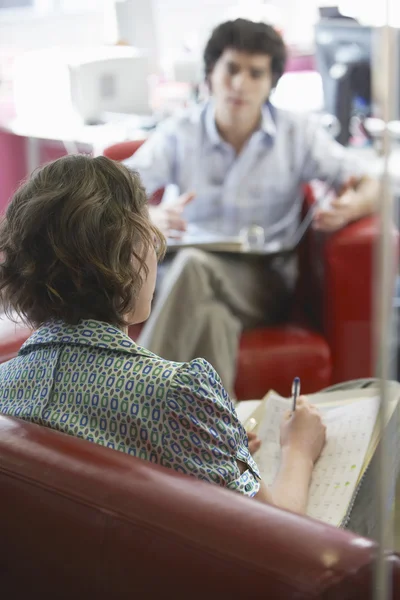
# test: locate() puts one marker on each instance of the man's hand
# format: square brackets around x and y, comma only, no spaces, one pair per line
[169,218]
[342,210]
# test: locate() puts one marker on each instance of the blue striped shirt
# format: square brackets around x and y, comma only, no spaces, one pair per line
[262,185]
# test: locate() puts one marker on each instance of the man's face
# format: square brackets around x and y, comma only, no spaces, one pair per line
[241,83]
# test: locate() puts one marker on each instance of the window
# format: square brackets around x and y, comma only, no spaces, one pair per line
[16,3]
[43,7]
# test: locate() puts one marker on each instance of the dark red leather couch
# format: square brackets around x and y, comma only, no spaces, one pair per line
[80,521]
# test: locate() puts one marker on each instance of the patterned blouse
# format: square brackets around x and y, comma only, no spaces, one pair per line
[92,381]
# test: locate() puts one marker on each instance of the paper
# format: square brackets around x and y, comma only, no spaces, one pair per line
[244,410]
[336,474]
[196,237]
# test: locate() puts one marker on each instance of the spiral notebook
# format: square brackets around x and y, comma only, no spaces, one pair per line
[340,491]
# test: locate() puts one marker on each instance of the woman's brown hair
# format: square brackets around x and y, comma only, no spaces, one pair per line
[74,242]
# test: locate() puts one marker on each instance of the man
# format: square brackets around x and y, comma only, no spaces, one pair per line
[238,161]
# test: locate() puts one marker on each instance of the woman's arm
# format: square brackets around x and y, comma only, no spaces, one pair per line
[302,440]
[291,486]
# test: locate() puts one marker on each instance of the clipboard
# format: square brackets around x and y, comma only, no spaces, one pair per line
[196,237]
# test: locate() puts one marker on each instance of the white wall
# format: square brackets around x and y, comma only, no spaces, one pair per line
[31,33]
[177,22]
[180,20]
[62,30]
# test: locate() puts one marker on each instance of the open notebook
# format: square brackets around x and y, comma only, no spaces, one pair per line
[341,487]
[197,237]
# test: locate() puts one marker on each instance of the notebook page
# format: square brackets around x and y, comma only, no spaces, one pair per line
[334,480]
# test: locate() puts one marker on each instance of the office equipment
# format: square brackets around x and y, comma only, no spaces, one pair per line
[333,12]
[343,58]
[81,84]
[340,487]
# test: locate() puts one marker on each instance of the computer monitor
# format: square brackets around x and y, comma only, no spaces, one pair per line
[343,58]
[332,12]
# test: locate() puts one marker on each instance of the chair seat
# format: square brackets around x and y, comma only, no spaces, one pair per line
[271,357]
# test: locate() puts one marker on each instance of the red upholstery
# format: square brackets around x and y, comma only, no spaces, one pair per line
[269,358]
[122,150]
[349,298]
[82,521]
[329,338]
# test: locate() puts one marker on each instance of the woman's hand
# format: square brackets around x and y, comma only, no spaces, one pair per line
[254,442]
[303,432]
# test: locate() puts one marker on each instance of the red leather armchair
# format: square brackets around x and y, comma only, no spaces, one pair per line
[329,337]
[82,521]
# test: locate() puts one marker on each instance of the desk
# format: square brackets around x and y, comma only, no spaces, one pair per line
[24,145]
[72,133]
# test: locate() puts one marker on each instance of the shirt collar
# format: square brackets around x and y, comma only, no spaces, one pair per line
[267,126]
[87,333]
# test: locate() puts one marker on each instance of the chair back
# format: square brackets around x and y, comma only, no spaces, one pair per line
[80,521]
[123,151]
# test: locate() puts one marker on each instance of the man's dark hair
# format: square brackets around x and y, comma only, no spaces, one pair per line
[246,36]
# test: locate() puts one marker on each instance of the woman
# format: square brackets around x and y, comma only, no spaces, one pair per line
[79,263]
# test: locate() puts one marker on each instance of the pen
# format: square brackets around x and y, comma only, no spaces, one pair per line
[295,391]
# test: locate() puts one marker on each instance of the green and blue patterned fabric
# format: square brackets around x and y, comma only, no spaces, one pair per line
[92,381]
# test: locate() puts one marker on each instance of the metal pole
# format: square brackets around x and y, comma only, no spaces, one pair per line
[385,74]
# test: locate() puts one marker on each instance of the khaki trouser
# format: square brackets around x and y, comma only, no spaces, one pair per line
[205,301]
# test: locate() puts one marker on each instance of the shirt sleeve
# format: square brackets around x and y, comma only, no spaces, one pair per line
[155,159]
[203,436]
[325,159]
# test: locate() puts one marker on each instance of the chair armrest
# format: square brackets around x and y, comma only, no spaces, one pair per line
[348,297]
[105,510]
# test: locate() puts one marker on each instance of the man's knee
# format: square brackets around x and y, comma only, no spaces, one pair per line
[189,261]
[219,317]
[191,256]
